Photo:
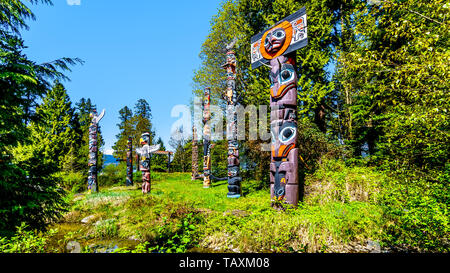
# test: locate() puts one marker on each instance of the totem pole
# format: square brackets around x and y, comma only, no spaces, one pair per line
[234,180]
[130,162]
[93,150]
[277,46]
[194,154]
[206,139]
[145,155]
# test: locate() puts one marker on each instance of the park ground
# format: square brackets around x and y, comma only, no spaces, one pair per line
[338,214]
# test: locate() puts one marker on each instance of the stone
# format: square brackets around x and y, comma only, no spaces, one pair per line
[87,219]
[73,247]
[374,246]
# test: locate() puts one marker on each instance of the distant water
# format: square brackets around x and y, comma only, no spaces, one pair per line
[109,159]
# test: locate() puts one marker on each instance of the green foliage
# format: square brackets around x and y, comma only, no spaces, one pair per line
[28,192]
[336,182]
[106,229]
[133,125]
[417,216]
[25,241]
[113,175]
[77,157]
[176,238]
[74,182]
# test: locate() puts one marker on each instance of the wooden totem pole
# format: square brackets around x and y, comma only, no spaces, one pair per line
[194,154]
[206,139]
[129,181]
[145,155]
[93,150]
[277,46]
[234,180]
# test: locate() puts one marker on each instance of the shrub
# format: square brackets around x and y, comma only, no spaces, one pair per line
[112,175]
[25,241]
[417,215]
[72,181]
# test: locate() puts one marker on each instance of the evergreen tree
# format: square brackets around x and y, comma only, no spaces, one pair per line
[142,120]
[126,127]
[28,193]
[51,138]
[159,162]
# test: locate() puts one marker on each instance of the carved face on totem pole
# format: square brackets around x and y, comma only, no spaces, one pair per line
[277,47]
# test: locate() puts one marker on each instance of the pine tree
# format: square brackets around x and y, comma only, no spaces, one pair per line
[28,193]
[51,138]
[142,120]
[159,162]
[127,128]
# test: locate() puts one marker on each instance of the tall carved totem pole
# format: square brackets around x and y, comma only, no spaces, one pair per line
[206,139]
[234,180]
[194,154]
[277,46]
[130,162]
[93,150]
[145,155]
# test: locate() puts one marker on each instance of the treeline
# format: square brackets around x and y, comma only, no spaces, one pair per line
[133,124]
[372,91]
[44,138]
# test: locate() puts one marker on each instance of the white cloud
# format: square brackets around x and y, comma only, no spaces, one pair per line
[108,151]
[74,2]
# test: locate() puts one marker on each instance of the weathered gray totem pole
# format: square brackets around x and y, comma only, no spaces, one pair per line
[234,180]
[129,181]
[145,156]
[277,46]
[93,150]
[206,139]
[194,154]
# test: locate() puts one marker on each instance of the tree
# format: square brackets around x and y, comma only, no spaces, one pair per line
[181,160]
[51,138]
[243,19]
[393,73]
[159,162]
[142,120]
[24,196]
[126,128]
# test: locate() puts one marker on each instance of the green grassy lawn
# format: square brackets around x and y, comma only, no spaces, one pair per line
[179,215]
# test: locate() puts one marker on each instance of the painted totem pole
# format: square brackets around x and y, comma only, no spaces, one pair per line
[206,139]
[145,155]
[129,181]
[234,180]
[93,150]
[277,46]
[194,154]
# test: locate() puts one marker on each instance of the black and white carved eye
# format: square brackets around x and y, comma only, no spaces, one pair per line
[286,74]
[279,34]
[287,133]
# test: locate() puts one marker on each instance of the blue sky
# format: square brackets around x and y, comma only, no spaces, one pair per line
[132,49]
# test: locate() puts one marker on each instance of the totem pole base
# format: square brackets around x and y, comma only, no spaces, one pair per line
[233,195]
[146,187]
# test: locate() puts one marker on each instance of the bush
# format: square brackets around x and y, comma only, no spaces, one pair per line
[72,181]
[113,175]
[336,182]
[417,215]
[25,241]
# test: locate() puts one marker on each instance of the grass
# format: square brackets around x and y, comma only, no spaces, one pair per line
[181,216]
